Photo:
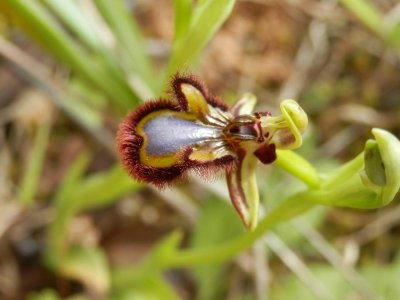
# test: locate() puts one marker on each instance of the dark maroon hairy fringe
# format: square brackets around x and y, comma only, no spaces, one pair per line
[211,99]
[212,169]
[129,143]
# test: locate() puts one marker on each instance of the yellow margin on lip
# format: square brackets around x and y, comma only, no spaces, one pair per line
[160,161]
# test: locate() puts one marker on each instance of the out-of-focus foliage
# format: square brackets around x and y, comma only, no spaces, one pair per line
[208,232]
[384,284]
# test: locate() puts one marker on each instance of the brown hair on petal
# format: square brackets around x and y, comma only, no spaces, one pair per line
[211,169]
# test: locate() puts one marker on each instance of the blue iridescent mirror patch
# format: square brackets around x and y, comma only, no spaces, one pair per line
[167,134]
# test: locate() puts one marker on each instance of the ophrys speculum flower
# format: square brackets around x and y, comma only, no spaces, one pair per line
[161,140]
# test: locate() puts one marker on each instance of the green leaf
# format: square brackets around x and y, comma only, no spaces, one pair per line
[70,180]
[292,237]
[144,281]
[64,210]
[124,277]
[291,287]
[88,265]
[182,16]
[129,37]
[367,13]
[394,34]
[73,16]
[372,18]
[206,20]
[47,294]
[150,288]
[38,22]
[34,164]
[87,115]
[102,189]
[208,232]
[76,194]
[384,278]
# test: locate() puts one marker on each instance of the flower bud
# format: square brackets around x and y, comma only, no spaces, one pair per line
[382,165]
[370,180]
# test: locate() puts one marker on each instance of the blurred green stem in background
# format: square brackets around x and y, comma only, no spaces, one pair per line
[34,164]
[374,20]
[192,36]
[341,187]
[288,209]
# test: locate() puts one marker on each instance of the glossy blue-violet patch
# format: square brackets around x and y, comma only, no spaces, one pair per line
[167,134]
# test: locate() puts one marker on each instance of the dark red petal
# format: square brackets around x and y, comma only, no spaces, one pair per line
[266,153]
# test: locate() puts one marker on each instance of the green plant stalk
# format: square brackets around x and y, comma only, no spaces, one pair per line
[372,18]
[367,13]
[341,186]
[57,245]
[34,164]
[289,208]
[299,167]
[343,173]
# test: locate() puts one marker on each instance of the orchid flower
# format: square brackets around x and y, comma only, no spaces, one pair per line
[161,140]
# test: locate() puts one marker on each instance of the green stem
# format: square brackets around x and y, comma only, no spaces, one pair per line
[288,209]
[368,14]
[343,173]
[299,167]
[34,165]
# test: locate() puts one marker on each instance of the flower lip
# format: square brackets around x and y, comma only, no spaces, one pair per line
[191,140]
